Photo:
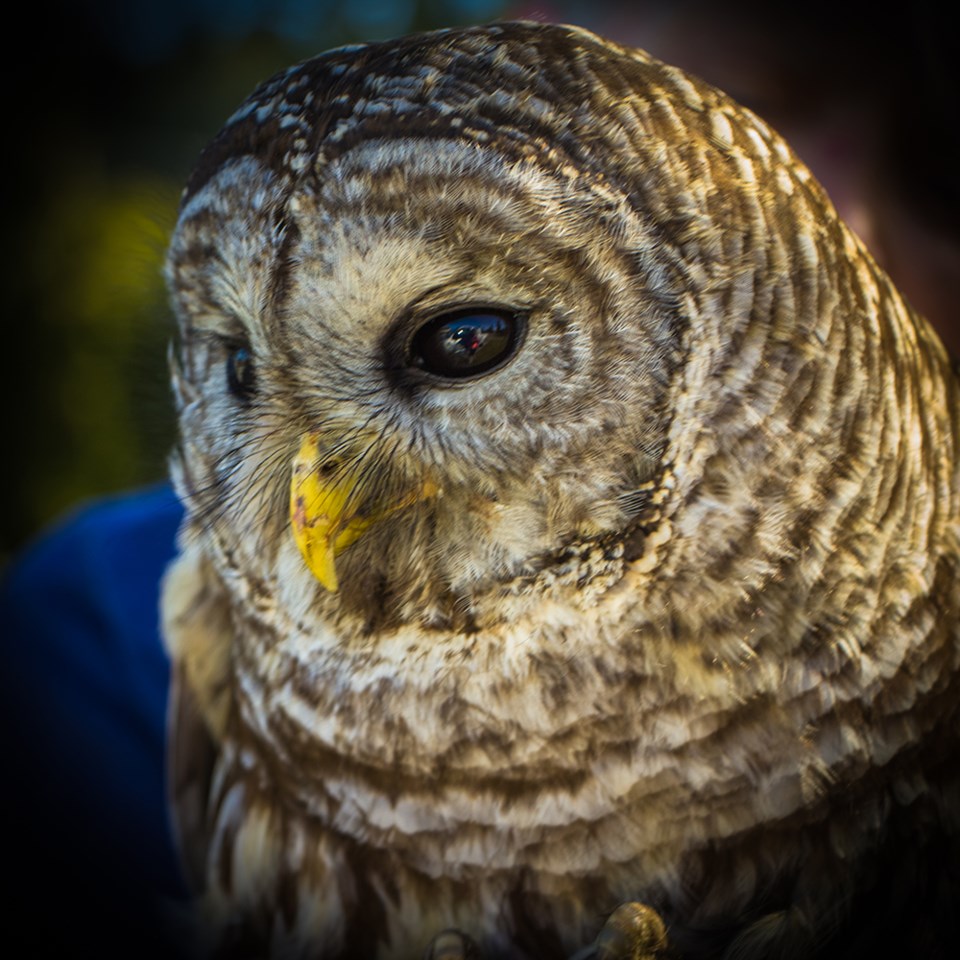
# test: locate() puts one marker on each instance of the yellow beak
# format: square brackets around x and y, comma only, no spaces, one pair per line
[324,511]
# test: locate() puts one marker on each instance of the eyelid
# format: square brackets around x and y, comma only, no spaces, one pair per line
[223,341]
[216,326]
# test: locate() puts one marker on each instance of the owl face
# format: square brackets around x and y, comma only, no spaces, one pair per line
[469,349]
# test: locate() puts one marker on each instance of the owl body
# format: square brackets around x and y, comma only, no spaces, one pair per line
[659,602]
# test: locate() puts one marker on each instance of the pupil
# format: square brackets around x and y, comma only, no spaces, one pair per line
[240,377]
[465,343]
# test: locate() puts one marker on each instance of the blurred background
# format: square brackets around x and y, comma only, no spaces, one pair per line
[115,100]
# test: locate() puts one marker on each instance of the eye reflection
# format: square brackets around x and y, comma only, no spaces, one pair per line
[465,343]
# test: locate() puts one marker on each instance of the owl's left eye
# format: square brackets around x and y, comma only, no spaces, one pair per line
[241,376]
[465,343]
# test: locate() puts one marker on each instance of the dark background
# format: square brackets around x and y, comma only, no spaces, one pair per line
[112,101]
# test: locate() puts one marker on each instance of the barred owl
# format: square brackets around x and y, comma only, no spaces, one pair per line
[572,521]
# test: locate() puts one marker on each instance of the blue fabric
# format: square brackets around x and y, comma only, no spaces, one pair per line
[84,688]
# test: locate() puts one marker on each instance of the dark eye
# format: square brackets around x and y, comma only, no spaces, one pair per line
[465,343]
[241,377]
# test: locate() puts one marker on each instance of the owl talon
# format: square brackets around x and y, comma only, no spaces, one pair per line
[633,931]
[451,945]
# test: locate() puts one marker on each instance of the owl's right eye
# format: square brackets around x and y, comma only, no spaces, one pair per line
[241,376]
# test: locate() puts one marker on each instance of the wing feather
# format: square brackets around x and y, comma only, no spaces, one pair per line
[197,630]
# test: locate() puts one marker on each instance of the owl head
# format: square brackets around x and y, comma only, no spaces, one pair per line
[460,311]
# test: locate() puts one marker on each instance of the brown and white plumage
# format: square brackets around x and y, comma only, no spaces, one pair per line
[672,613]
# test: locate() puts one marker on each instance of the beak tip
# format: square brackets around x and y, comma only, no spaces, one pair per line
[329,583]
[319,557]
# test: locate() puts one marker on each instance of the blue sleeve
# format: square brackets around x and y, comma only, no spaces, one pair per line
[84,688]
